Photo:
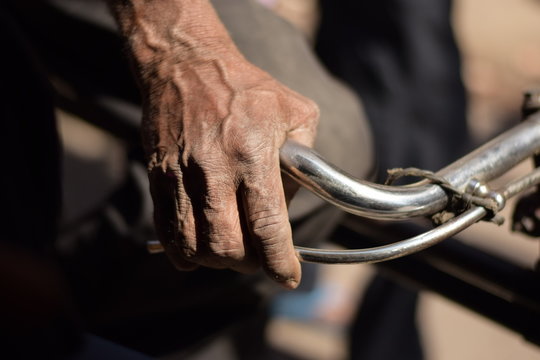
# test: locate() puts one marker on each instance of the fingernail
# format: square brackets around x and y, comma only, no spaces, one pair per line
[290,284]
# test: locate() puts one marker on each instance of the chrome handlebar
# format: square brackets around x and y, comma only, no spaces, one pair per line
[421,199]
[468,175]
[376,201]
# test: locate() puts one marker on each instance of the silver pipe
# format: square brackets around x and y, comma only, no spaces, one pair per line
[397,202]
[376,201]
[521,184]
[419,242]
[394,250]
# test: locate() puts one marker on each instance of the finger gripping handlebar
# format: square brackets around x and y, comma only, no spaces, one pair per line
[467,175]
[375,201]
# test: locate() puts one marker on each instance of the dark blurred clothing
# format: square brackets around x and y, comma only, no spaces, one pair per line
[36,315]
[401,58]
[30,181]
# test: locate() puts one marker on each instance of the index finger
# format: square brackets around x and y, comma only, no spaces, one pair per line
[268,222]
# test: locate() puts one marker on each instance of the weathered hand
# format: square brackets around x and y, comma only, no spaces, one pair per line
[213,131]
[212,128]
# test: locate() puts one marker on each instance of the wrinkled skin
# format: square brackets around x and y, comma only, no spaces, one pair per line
[212,128]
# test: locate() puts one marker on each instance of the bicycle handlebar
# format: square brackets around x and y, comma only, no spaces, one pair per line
[383,202]
[399,202]
[376,201]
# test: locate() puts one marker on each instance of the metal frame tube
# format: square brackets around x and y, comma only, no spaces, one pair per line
[394,250]
[376,201]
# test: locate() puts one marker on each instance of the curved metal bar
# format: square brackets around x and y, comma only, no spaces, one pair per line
[398,202]
[419,242]
[357,196]
[394,250]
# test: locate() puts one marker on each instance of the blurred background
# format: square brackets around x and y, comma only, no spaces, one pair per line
[499,42]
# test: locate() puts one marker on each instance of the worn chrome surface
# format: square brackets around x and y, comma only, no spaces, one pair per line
[399,202]
[522,184]
[420,242]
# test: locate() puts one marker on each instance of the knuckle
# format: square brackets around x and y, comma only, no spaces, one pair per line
[225,249]
[186,239]
[307,108]
[312,109]
[223,236]
[187,251]
[312,115]
[255,157]
[270,227]
[306,115]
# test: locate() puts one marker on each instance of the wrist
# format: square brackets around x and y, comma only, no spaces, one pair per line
[180,46]
[176,31]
